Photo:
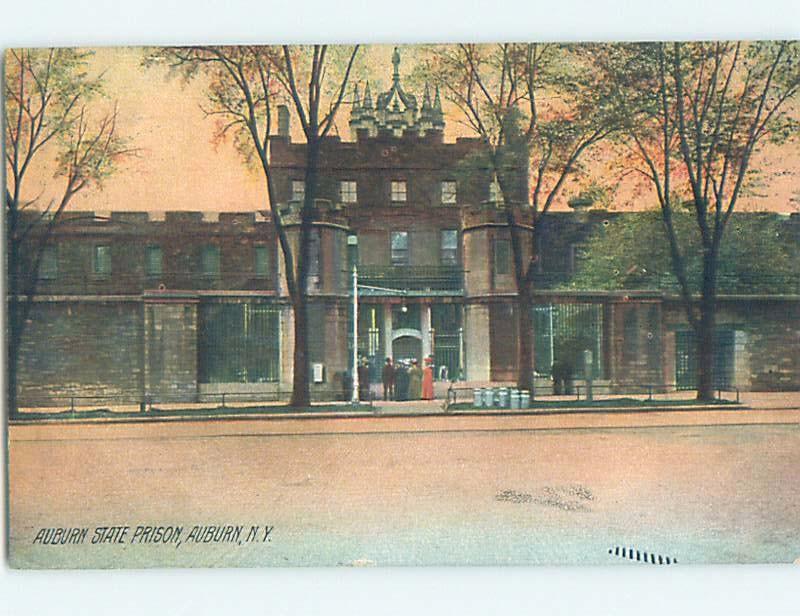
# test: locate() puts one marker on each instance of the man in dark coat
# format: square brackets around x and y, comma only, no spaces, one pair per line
[388,379]
[400,381]
[363,379]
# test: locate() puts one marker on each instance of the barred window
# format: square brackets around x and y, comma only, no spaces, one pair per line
[153,261]
[101,261]
[449,247]
[400,248]
[502,257]
[210,260]
[262,261]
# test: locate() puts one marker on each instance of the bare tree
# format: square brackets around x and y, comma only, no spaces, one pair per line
[244,85]
[696,115]
[537,111]
[49,111]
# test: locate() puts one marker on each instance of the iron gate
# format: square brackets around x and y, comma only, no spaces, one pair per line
[686,359]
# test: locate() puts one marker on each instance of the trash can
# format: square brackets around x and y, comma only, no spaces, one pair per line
[502,398]
[524,399]
[477,397]
[514,398]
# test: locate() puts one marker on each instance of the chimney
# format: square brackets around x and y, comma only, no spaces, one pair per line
[283,121]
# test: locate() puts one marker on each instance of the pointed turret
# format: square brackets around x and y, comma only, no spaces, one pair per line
[426,98]
[356,99]
[367,97]
[437,103]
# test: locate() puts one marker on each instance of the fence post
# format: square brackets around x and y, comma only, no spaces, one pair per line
[650,393]
[737,395]
[223,400]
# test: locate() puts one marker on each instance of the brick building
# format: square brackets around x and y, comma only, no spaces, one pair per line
[187,305]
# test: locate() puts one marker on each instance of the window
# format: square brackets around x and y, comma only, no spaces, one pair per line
[502,257]
[495,194]
[262,261]
[210,260]
[348,191]
[153,261]
[298,190]
[48,266]
[399,191]
[101,261]
[448,192]
[449,247]
[399,247]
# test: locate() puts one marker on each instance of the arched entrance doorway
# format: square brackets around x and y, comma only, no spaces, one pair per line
[407,344]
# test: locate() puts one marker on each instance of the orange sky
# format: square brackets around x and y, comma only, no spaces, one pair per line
[179,167]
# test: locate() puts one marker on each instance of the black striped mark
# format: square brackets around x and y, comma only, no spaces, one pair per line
[642,556]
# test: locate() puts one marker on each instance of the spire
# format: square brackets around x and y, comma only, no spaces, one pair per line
[396,64]
[367,97]
[437,103]
[356,99]
[426,98]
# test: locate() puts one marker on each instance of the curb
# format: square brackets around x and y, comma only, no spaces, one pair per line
[371,414]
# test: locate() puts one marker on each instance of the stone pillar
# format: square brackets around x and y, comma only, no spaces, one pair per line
[387,330]
[741,361]
[476,341]
[427,343]
[287,347]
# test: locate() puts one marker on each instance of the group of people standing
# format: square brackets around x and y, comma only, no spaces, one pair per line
[405,380]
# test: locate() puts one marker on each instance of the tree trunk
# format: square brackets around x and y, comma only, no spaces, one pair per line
[300,387]
[301,394]
[706,326]
[524,337]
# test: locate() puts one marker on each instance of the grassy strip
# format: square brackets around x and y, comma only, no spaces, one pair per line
[599,404]
[157,413]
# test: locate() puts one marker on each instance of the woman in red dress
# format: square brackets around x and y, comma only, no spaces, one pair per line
[427,380]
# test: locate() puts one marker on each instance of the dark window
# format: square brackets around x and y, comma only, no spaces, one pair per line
[210,260]
[48,266]
[153,261]
[262,261]
[239,343]
[449,247]
[502,257]
[101,261]
[400,248]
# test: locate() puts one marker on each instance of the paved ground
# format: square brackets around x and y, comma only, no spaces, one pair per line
[697,486]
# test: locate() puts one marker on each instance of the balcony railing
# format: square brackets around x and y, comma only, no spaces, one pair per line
[412,277]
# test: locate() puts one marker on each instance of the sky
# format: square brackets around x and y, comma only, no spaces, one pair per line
[179,165]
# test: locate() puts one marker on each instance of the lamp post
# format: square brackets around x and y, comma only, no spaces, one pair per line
[355,399]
